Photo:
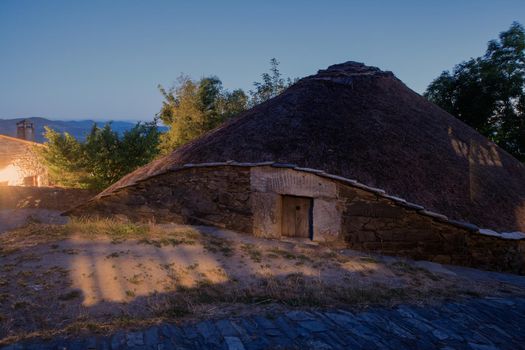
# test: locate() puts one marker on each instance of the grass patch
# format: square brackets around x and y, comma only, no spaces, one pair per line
[329,255]
[218,245]
[13,241]
[176,309]
[277,252]
[294,290]
[283,253]
[401,267]
[252,252]
[34,234]
[135,279]
[113,255]
[159,243]
[118,231]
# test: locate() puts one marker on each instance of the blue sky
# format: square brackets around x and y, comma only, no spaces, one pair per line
[104,59]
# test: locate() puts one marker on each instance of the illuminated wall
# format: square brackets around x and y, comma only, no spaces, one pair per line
[12,175]
[19,163]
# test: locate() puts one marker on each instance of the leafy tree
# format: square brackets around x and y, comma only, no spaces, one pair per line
[194,107]
[488,92]
[63,159]
[191,107]
[272,84]
[102,159]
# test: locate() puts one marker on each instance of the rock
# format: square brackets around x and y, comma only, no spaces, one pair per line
[233,343]
[134,339]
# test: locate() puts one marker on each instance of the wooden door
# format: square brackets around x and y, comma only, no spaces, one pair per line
[30,181]
[296,216]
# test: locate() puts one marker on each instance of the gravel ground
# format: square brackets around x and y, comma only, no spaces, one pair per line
[14,218]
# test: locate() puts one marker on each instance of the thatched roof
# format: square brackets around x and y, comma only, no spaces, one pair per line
[361,123]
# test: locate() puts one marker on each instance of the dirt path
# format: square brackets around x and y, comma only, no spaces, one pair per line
[14,218]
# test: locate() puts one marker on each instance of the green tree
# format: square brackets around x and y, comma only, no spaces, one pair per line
[488,92]
[272,84]
[102,159]
[64,160]
[192,108]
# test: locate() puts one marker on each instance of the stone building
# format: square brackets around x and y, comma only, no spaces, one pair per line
[349,156]
[19,163]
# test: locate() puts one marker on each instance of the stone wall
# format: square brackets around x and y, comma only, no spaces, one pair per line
[18,160]
[248,199]
[218,196]
[53,198]
[375,224]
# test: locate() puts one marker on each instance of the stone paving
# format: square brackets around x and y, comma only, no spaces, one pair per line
[479,324]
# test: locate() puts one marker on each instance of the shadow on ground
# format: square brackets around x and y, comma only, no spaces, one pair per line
[55,283]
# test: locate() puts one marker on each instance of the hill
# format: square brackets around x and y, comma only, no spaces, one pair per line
[78,128]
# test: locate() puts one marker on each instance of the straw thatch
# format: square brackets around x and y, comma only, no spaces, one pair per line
[362,123]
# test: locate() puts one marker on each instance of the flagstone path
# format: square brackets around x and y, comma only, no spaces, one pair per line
[479,324]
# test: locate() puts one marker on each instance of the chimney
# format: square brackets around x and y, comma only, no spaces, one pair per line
[24,130]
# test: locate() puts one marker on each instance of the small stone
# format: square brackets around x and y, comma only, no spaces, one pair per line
[234,343]
[226,328]
[118,340]
[135,339]
[341,319]
[286,327]
[412,206]
[433,215]
[273,333]
[475,346]
[264,322]
[190,332]
[318,345]
[439,334]
[299,316]
[151,336]
[313,326]
[206,328]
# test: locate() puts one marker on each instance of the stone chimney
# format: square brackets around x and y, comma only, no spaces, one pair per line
[25,131]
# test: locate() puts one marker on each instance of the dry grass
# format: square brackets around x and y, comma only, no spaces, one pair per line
[118,231]
[267,295]
[294,290]
[49,277]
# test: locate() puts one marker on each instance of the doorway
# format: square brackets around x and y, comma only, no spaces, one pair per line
[30,181]
[297,217]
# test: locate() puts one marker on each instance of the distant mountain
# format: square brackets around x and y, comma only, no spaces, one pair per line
[79,129]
